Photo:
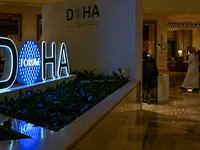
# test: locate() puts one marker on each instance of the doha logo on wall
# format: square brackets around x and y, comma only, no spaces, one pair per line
[83,16]
[29,62]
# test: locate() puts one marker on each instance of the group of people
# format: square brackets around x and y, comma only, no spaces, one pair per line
[191,80]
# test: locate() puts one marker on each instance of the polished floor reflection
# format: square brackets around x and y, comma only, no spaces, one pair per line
[170,124]
[173,124]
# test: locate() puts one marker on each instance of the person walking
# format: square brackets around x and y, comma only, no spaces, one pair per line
[191,80]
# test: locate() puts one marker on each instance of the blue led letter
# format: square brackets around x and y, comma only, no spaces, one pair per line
[29,62]
[10,66]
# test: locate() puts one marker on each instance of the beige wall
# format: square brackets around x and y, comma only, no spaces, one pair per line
[138,38]
[178,41]
[29,19]
[196,38]
[162,30]
[161,55]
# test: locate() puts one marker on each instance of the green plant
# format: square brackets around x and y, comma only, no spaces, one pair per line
[56,107]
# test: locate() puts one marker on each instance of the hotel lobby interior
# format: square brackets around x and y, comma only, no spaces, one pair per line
[133,123]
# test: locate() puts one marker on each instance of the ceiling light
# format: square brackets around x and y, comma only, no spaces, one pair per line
[186,14]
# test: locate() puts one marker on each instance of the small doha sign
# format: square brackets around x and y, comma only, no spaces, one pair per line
[29,61]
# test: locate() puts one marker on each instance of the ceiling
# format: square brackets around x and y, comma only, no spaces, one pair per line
[178,17]
[186,18]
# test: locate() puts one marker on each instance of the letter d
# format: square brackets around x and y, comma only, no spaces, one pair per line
[69,14]
[10,66]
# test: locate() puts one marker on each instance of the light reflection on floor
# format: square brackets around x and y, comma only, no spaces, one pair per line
[36,133]
[175,124]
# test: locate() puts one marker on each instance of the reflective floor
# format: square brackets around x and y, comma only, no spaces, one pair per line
[173,124]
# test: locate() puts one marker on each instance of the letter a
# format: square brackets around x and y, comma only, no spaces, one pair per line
[63,64]
[95,11]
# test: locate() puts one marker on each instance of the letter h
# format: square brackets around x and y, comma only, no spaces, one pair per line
[48,62]
[84,12]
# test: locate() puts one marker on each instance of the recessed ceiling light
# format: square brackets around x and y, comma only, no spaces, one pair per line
[186,14]
[1,3]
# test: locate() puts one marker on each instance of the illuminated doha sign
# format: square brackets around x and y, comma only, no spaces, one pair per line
[30,61]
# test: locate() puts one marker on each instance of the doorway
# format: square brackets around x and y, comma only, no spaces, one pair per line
[171,48]
[10,27]
[149,36]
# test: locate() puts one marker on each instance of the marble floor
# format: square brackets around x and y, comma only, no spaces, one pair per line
[173,124]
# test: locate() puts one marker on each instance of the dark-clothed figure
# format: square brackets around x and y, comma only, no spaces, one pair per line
[152,72]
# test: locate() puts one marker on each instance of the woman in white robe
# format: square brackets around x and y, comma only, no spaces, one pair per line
[191,80]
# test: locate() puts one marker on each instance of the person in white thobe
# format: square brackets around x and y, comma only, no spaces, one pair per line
[192,76]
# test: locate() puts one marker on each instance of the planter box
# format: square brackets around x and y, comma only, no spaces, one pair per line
[73,132]
[11,135]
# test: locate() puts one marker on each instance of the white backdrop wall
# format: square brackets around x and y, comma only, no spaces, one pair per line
[105,42]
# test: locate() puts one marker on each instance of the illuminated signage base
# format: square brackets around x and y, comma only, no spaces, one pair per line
[40,85]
